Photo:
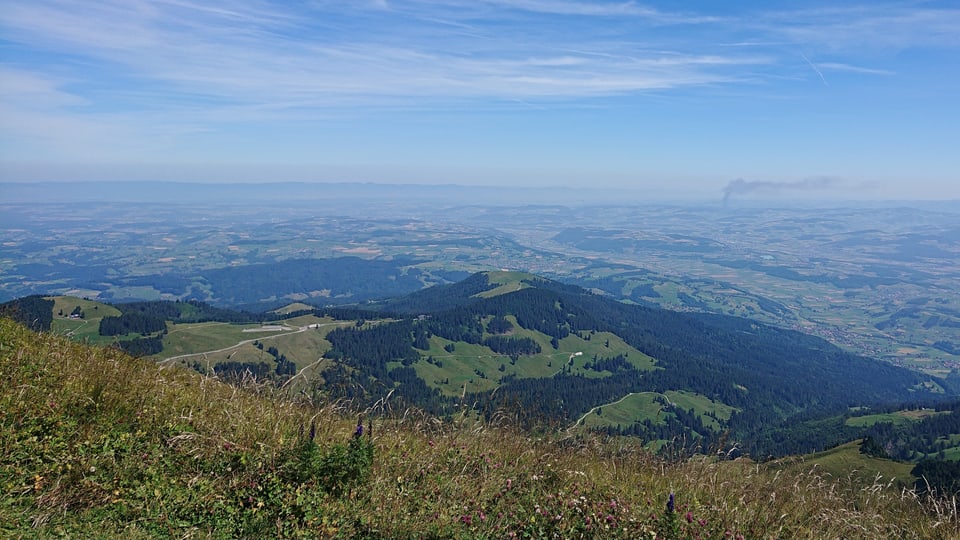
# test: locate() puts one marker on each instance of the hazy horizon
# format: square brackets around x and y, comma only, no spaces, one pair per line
[735,195]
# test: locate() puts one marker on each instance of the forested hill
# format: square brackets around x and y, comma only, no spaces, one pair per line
[441,297]
[767,375]
[554,354]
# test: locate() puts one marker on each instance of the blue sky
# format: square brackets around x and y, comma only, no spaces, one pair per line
[675,99]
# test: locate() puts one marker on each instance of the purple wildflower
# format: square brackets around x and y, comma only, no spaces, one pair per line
[670,503]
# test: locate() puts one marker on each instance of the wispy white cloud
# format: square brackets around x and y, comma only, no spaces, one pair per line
[256,52]
[35,91]
[873,26]
[113,69]
[253,55]
[837,66]
[606,9]
[574,7]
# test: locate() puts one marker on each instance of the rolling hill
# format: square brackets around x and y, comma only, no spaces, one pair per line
[547,354]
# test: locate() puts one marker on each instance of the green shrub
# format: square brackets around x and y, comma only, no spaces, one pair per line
[337,470]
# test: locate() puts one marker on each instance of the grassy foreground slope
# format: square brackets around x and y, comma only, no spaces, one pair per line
[95,444]
[847,460]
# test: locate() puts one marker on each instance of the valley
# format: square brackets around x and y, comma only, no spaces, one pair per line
[876,281]
[346,295]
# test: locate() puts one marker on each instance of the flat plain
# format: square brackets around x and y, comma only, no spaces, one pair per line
[877,280]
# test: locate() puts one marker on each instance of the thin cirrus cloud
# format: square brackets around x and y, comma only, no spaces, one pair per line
[246,53]
[257,52]
[138,74]
[568,7]
[240,50]
[880,26]
[381,52]
[836,66]
[34,91]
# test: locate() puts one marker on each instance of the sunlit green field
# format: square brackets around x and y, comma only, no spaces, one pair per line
[641,406]
[81,329]
[626,411]
[450,371]
[895,418]
[846,462]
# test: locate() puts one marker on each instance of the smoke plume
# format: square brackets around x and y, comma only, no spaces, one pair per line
[764,187]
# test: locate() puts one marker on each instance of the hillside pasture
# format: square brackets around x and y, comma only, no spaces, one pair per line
[81,329]
[702,405]
[632,408]
[846,463]
[449,371]
[302,340]
[641,406]
[507,282]
[206,337]
[897,418]
[291,308]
